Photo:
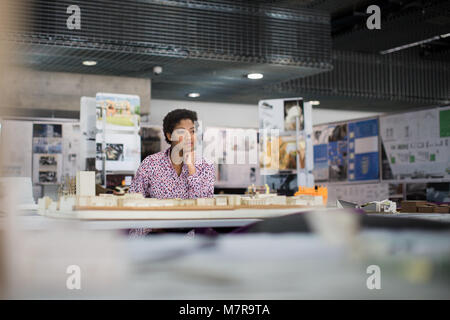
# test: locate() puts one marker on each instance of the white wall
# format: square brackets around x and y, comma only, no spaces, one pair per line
[212,114]
[239,115]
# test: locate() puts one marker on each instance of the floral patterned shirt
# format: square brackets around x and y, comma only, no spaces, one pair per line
[157,178]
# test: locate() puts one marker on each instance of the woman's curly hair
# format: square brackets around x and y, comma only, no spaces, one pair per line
[174,117]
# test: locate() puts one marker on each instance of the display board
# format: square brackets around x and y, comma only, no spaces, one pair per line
[285,138]
[271,114]
[118,124]
[71,160]
[347,151]
[122,152]
[358,193]
[444,122]
[417,144]
[337,152]
[363,144]
[320,142]
[47,153]
[122,111]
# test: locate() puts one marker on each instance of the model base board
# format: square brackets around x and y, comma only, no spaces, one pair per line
[135,206]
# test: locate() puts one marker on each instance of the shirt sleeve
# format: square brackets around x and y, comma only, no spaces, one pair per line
[201,183]
[141,180]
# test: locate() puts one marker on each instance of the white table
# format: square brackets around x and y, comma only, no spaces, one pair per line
[33,221]
[37,222]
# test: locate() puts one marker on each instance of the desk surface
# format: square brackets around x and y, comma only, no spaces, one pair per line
[33,221]
[37,222]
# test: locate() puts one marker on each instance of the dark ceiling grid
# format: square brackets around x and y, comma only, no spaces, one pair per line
[396,77]
[207,46]
[177,34]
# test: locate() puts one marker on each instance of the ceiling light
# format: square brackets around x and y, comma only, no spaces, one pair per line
[314,102]
[414,44]
[89,63]
[193,95]
[255,76]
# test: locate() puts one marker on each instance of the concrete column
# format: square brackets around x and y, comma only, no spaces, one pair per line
[39,93]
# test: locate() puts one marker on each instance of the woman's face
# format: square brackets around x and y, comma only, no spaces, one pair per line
[184,132]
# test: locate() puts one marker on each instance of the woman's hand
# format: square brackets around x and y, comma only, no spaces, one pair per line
[188,152]
[189,158]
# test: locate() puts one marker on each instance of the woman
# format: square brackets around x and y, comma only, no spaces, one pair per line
[176,172]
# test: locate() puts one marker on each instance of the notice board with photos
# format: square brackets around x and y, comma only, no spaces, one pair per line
[49,150]
[347,151]
[402,146]
[120,129]
[47,153]
[278,147]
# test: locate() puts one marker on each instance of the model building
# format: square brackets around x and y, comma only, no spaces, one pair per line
[85,199]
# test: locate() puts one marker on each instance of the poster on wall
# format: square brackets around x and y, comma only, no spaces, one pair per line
[280,117]
[320,142]
[122,111]
[444,122]
[71,149]
[281,114]
[47,138]
[292,110]
[288,153]
[123,152]
[281,154]
[269,154]
[444,137]
[415,145]
[360,193]
[47,168]
[337,152]
[363,150]
[47,153]
[271,114]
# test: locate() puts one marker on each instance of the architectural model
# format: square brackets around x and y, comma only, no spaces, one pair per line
[85,199]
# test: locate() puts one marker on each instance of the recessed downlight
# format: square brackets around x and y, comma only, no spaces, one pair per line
[255,76]
[89,63]
[193,95]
